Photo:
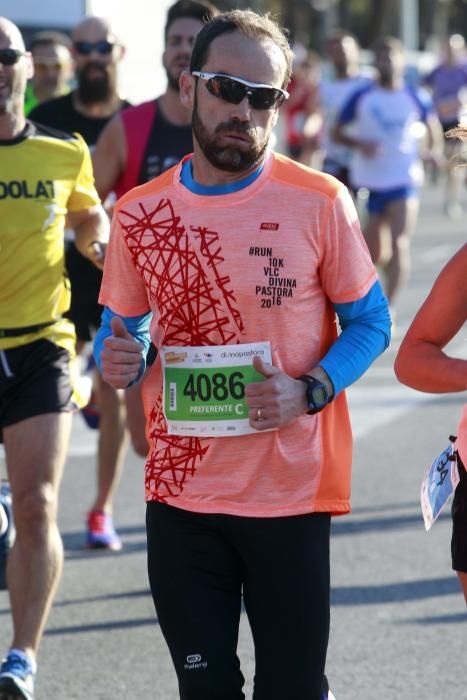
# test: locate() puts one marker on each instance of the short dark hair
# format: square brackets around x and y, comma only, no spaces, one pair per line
[339,35]
[202,10]
[388,43]
[248,23]
[50,38]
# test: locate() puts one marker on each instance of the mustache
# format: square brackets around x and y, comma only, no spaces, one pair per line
[235,127]
[94,65]
[181,57]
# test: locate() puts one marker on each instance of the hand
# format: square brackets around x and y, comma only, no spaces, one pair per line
[96,253]
[279,398]
[121,356]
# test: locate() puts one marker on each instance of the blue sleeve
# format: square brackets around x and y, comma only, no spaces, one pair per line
[366,333]
[423,102]
[138,326]
[349,109]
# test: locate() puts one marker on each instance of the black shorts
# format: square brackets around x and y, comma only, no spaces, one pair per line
[449,125]
[34,379]
[85,280]
[331,167]
[199,566]
[459,523]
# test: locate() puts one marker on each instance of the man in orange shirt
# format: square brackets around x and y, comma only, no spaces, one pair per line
[234,263]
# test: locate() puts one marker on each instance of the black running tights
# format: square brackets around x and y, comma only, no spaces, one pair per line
[199,565]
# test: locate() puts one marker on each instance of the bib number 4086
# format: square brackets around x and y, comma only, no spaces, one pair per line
[220,386]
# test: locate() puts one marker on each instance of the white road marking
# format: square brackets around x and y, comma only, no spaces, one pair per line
[371,408]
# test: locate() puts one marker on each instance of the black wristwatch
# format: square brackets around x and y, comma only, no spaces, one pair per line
[317,396]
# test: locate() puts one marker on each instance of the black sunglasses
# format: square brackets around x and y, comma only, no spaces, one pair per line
[234,90]
[8,57]
[85,48]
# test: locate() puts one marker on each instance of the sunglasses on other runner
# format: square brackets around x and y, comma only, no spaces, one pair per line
[85,48]
[234,90]
[8,57]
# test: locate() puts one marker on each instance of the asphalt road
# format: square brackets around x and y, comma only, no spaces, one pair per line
[398,617]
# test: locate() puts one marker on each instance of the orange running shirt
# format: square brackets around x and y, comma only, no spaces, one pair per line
[265,263]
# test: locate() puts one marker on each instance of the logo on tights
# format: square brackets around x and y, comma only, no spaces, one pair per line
[194,662]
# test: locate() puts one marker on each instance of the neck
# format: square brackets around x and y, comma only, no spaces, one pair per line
[105,108]
[204,173]
[172,108]
[343,73]
[393,83]
[12,124]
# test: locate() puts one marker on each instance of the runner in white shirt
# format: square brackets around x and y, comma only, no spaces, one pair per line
[343,54]
[388,118]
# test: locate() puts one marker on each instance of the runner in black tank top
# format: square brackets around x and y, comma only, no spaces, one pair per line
[167,143]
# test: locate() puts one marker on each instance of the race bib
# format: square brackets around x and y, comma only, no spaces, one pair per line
[438,486]
[204,388]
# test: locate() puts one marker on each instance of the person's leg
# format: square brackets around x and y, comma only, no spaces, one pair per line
[455,175]
[7,531]
[136,420]
[372,235]
[286,593]
[463,581]
[195,579]
[112,445]
[35,450]
[402,216]
[113,441]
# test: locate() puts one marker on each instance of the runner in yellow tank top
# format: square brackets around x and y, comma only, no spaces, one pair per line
[45,178]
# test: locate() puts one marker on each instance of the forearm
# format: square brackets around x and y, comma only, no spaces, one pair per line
[366,333]
[137,326]
[94,229]
[340,136]
[425,367]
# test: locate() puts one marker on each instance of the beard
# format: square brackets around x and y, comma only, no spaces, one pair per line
[173,80]
[228,158]
[96,89]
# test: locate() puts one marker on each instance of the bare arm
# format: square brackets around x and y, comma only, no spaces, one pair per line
[368,148]
[91,227]
[435,138]
[109,157]
[421,362]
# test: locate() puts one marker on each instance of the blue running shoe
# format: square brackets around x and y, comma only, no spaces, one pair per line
[16,678]
[7,538]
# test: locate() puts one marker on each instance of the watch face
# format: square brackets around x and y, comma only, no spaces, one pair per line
[319,395]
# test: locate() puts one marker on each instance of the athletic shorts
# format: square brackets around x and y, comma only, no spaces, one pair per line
[200,565]
[34,379]
[379,199]
[459,522]
[331,167]
[449,125]
[85,280]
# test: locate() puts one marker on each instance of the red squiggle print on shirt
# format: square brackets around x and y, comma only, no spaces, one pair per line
[196,306]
